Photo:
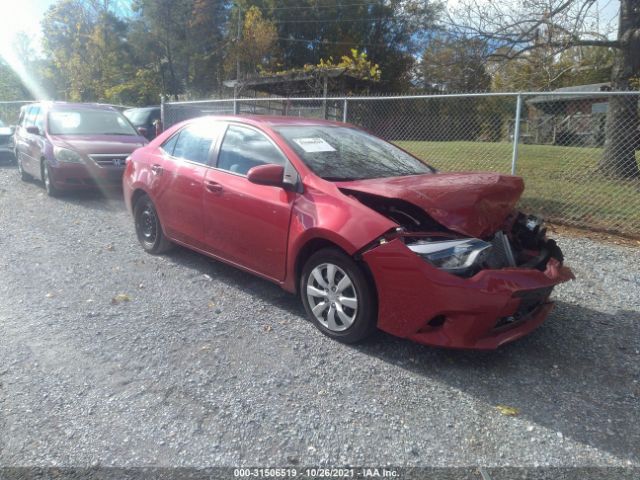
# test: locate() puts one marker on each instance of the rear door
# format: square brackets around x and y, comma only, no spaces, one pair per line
[179,184]
[246,223]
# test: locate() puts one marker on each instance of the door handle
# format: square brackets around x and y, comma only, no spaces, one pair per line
[214,187]
[156,169]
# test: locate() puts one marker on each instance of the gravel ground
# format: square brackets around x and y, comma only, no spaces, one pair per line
[208,366]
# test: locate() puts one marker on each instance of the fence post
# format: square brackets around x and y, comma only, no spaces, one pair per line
[516,134]
[324,96]
[236,109]
[162,114]
[345,110]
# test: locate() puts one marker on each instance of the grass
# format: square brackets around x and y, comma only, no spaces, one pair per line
[562,183]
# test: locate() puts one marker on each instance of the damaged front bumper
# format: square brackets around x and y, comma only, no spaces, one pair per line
[427,305]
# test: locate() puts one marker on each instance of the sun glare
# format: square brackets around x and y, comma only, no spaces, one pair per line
[25,19]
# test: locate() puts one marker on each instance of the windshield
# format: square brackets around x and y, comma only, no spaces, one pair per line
[343,153]
[89,122]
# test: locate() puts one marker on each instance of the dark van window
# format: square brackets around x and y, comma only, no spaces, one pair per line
[39,120]
[23,113]
[30,116]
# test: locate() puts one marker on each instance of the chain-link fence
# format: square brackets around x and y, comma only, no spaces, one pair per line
[9,114]
[10,111]
[575,150]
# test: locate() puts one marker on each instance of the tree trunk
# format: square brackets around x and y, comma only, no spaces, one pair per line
[622,134]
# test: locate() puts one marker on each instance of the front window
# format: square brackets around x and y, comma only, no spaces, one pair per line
[244,148]
[343,153]
[89,122]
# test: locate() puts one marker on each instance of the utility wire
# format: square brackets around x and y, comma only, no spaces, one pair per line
[339,5]
[328,42]
[340,20]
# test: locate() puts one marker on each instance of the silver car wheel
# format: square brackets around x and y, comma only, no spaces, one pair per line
[332,297]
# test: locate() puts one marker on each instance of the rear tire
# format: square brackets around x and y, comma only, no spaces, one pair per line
[338,297]
[148,227]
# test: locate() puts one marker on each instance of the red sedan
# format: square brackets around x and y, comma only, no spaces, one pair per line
[368,235]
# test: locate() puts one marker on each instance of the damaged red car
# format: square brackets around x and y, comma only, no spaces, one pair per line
[369,236]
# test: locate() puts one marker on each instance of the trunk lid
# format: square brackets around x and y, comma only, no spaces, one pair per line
[474,204]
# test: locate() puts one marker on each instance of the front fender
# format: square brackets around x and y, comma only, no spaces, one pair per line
[347,224]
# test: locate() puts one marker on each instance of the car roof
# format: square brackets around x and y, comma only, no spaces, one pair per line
[88,106]
[157,107]
[273,120]
[71,105]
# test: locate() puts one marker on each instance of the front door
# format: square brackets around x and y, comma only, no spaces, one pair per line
[246,223]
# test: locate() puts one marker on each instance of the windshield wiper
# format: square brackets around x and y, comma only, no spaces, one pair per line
[339,179]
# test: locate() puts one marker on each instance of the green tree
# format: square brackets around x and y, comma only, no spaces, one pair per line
[520,28]
[257,49]
[188,38]
[390,32]
[87,47]
[455,65]
[11,87]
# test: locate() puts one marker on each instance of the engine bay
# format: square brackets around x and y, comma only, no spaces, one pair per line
[521,243]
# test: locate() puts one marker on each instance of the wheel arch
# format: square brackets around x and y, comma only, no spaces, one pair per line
[136,195]
[318,243]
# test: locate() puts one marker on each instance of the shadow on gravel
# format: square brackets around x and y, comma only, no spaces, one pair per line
[7,164]
[248,283]
[577,374]
[107,201]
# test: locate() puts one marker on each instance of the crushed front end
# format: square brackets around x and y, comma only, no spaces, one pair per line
[439,287]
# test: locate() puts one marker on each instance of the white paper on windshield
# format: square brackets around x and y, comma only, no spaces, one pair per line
[314,145]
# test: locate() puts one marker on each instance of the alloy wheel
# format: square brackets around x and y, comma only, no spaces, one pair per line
[332,297]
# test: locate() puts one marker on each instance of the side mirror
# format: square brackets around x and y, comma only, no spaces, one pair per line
[143,131]
[33,130]
[269,174]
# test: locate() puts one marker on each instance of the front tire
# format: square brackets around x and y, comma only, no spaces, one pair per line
[338,297]
[148,227]
[24,176]
[51,189]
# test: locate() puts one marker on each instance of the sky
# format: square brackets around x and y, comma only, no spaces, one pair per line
[27,18]
[24,18]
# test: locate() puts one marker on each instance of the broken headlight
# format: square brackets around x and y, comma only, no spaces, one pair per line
[459,257]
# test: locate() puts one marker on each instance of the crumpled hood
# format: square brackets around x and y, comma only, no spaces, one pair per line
[474,204]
